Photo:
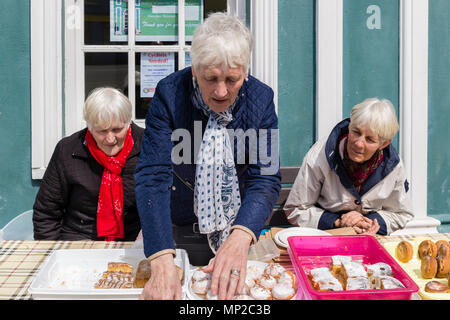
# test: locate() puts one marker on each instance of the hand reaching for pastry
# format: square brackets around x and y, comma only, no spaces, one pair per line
[229,266]
[164,282]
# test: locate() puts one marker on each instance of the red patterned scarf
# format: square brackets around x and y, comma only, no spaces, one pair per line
[110,200]
[359,172]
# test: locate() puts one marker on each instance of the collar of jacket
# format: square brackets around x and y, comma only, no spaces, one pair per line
[81,150]
[389,162]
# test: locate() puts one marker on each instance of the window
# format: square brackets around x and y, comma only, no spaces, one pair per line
[76,46]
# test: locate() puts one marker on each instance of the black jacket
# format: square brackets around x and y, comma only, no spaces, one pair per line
[66,204]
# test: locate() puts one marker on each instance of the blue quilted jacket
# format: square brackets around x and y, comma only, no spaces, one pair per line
[164,190]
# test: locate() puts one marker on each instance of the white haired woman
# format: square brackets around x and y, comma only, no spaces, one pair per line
[210,196]
[354,178]
[87,191]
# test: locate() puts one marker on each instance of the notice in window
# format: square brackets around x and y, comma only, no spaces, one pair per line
[154,67]
[156,20]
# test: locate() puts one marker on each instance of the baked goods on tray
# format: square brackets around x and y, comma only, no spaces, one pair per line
[353,275]
[404,251]
[263,282]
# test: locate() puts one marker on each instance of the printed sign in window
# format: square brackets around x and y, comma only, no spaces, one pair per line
[154,67]
[156,20]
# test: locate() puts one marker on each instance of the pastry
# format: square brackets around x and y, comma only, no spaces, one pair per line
[143,273]
[267,281]
[387,282]
[113,284]
[353,269]
[274,269]
[428,267]
[283,291]
[200,275]
[336,263]
[254,272]
[404,251]
[436,287]
[443,266]
[258,292]
[120,267]
[201,287]
[287,276]
[358,283]
[427,248]
[443,248]
[379,269]
[323,280]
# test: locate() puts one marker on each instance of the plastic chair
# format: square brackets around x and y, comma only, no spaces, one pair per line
[19,228]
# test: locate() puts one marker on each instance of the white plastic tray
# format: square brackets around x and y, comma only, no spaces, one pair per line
[72,273]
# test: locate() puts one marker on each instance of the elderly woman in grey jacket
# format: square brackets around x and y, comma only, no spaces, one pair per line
[355,177]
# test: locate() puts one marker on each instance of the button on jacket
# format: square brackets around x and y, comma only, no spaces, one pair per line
[66,204]
[323,190]
[164,190]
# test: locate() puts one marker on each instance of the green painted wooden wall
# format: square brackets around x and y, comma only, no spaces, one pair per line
[370,52]
[17,190]
[296,79]
[439,113]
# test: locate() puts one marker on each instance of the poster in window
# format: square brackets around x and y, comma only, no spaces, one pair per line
[156,20]
[154,67]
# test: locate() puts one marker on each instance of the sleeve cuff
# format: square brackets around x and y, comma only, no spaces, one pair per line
[375,215]
[162,252]
[250,232]
[327,220]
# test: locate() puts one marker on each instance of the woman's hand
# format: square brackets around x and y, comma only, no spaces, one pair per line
[232,255]
[164,282]
[355,218]
[372,230]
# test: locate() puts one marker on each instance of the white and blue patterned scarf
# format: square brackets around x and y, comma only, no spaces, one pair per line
[216,194]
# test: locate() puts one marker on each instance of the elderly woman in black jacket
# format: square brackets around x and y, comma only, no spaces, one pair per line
[87,191]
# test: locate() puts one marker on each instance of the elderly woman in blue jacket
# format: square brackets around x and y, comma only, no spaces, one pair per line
[223,174]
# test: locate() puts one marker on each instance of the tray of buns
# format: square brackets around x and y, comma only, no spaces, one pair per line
[263,281]
[427,261]
[347,267]
[97,274]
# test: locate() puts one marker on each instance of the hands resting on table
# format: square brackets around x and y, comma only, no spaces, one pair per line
[359,223]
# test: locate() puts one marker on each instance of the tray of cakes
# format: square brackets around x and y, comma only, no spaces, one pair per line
[348,267]
[427,261]
[97,274]
[263,281]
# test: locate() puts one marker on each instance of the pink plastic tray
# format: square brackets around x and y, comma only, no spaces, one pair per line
[311,252]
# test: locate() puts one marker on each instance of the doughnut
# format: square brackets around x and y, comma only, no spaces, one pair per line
[274,269]
[404,251]
[428,267]
[267,281]
[200,275]
[201,286]
[258,292]
[443,248]
[287,276]
[436,287]
[254,272]
[427,248]
[283,291]
[443,266]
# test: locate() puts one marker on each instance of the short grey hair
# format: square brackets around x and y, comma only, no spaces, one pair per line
[106,105]
[221,40]
[378,115]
